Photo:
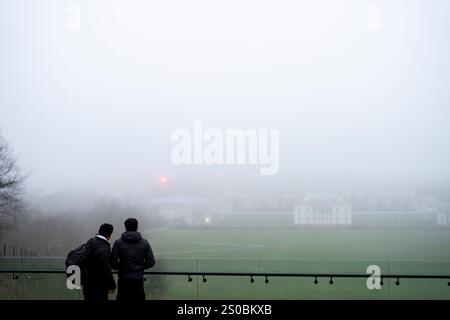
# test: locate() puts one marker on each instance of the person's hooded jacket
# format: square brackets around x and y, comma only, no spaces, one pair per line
[131,255]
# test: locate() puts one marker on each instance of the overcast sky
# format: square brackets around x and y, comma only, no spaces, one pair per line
[356,102]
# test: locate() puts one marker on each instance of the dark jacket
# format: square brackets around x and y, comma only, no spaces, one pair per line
[99,272]
[131,255]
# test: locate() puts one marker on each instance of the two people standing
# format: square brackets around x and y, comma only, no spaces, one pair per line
[131,255]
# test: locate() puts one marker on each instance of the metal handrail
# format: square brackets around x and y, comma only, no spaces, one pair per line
[265,275]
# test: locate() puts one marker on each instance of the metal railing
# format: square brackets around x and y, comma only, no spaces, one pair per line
[252,275]
[10,250]
[45,278]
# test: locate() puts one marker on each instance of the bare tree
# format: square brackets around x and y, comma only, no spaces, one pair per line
[11,186]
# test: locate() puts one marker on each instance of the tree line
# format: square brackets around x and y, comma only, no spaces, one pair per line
[54,232]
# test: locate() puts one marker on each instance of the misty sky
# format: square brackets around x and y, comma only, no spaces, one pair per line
[95,107]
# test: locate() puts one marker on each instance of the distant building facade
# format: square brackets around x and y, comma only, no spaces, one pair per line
[310,210]
[394,218]
[254,219]
[319,210]
[443,219]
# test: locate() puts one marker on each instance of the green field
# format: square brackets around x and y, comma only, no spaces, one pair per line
[418,251]
[316,244]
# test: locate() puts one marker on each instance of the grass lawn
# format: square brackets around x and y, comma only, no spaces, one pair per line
[271,250]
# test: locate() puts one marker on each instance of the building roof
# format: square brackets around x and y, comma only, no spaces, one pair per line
[322,200]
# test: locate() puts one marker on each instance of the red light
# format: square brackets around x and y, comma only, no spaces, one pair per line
[163,179]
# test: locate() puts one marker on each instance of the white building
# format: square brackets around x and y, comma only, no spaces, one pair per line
[443,219]
[323,210]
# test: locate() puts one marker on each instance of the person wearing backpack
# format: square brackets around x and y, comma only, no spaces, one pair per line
[99,278]
[131,255]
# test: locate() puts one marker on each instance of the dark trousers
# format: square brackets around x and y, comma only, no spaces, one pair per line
[130,289]
[94,292]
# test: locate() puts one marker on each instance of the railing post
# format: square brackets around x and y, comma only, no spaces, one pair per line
[196,269]
[389,280]
[259,280]
[322,269]
[22,279]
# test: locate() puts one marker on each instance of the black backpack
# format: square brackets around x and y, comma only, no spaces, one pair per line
[79,257]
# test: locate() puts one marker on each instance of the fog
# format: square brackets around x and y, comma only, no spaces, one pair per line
[359,105]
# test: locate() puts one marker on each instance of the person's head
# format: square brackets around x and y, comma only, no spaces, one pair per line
[106,230]
[131,224]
